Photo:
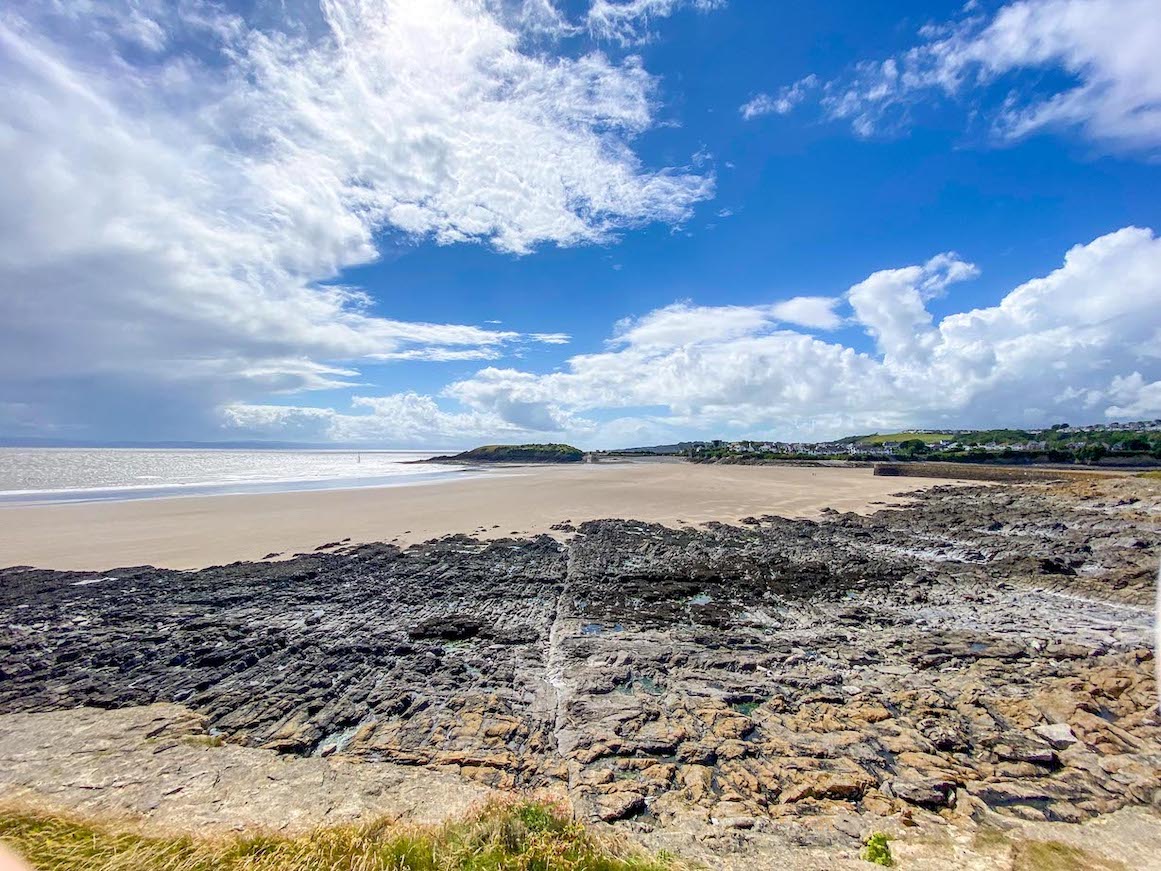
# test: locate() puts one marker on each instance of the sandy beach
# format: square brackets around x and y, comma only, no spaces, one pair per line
[194,532]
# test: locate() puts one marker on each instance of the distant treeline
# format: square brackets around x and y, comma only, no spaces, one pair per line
[999,446]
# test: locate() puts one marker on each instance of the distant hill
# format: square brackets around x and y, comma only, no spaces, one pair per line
[516,454]
[927,438]
[678,448]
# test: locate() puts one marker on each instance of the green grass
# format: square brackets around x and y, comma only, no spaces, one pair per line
[877,851]
[501,836]
[204,740]
[1055,856]
[546,453]
[1154,476]
[1025,855]
[928,438]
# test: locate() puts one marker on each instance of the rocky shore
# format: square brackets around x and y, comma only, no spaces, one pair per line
[986,651]
[535,453]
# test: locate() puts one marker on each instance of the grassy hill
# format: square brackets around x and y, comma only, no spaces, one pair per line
[928,438]
[549,453]
[966,436]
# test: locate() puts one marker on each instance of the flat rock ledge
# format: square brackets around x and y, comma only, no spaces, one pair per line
[981,656]
[158,762]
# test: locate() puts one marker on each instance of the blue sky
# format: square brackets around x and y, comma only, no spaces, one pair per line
[614,222]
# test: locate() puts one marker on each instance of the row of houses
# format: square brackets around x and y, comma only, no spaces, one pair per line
[882,449]
[949,442]
[814,449]
[1130,426]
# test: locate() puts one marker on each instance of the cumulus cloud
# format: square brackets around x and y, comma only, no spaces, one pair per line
[172,220]
[816,312]
[1071,344]
[1104,52]
[628,21]
[1075,344]
[1140,399]
[891,304]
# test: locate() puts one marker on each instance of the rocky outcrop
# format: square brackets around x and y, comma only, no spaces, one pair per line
[535,453]
[984,647]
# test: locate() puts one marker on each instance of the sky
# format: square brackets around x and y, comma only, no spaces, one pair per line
[438,223]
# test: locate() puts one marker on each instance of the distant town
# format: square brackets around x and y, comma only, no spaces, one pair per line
[1127,443]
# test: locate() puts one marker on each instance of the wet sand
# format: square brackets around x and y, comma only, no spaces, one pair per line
[198,531]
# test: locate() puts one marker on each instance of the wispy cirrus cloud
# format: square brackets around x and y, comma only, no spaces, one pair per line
[628,21]
[1108,82]
[781,103]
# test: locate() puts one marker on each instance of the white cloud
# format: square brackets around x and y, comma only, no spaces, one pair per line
[890,304]
[627,21]
[686,324]
[1134,398]
[781,103]
[815,312]
[169,217]
[1058,345]
[1070,345]
[541,17]
[1105,50]
[401,419]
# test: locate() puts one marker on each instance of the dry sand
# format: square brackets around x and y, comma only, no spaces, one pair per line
[197,531]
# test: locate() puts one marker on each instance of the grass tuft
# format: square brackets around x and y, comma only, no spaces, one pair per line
[204,740]
[503,835]
[877,851]
[1055,856]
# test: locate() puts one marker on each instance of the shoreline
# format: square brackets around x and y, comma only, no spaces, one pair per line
[137,492]
[195,531]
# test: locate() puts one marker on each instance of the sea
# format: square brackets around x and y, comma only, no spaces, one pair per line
[30,475]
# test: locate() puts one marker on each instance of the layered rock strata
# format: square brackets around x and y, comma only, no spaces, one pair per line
[986,646]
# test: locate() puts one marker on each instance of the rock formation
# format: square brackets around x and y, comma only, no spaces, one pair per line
[985,646]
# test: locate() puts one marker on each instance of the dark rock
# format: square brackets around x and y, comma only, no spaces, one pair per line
[808,665]
[1017,747]
[454,627]
[926,793]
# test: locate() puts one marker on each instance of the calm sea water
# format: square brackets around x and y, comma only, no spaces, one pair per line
[83,474]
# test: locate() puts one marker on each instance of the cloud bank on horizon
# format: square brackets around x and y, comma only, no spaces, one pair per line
[186,189]
[1071,344]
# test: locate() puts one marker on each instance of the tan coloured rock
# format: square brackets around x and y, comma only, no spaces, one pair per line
[614,806]
[841,786]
